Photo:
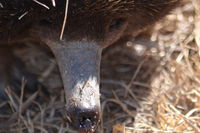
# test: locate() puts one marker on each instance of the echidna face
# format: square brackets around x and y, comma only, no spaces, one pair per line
[78,56]
[101,29]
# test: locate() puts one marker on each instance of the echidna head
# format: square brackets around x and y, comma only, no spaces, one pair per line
[91,25]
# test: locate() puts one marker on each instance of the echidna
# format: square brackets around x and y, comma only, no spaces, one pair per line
[91,26]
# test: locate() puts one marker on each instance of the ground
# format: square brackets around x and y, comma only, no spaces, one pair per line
[147,85]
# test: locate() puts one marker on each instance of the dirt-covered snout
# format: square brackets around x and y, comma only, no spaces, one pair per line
[79,64]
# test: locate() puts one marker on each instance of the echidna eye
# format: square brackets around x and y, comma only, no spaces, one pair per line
[45,22]
[115,24]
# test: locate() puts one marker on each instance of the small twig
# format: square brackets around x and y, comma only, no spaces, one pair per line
[8,124]
[123,106]
[21,102]
[11,98]
[47,71]
[136,72]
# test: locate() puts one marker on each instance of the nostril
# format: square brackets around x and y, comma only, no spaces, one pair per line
[86,120]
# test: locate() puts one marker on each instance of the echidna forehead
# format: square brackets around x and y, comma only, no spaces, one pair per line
[89,7]
[101,6]
[19,14]
[119,6]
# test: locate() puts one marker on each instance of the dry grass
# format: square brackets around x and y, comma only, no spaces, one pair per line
[152,88]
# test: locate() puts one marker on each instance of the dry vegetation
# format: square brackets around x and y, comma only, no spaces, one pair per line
[146,86]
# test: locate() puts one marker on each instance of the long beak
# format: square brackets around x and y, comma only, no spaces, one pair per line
[79,64]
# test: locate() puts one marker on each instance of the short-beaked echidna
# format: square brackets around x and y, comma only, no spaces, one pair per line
[91,26]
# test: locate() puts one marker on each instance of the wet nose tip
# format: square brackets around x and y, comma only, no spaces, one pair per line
[85,120]
[88,120]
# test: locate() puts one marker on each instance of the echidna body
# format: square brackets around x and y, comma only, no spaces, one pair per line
[91,26]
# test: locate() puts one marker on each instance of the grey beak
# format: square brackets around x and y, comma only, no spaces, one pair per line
[79,64]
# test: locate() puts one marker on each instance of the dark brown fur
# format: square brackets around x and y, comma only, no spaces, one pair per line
[91,26]
[85,16]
